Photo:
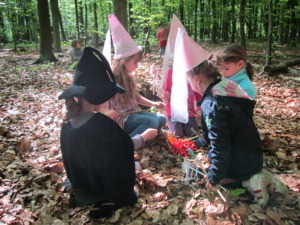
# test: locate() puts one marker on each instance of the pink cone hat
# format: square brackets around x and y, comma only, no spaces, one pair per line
[191,53]
[123,43]
[187,55]
[169,53]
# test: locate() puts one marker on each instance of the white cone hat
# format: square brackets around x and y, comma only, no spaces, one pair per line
[169,53]
[123,43]
[107,47]
[187,55]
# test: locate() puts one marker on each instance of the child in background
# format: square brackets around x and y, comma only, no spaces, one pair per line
[75,52]
[162,35]
[236,68]
[127,56]
[181,129]
[235,156]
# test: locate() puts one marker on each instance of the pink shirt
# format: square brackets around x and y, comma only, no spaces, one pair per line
[123,111]
[192,96]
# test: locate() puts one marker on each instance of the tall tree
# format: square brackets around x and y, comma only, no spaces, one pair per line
[195,20]
[77,19]
[214,22]
[293,23]
[55,24]
[120,10]
[46,52]
[233,21]
[242,23]
[96,33]
[270,34]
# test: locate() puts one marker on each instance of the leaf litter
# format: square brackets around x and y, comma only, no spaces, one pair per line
[32,173]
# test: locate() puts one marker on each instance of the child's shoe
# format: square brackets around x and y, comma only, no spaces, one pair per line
[256,185]
[273,183]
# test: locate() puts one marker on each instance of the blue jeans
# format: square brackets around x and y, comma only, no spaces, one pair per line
[139,122]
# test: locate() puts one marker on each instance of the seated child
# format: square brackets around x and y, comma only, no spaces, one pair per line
[98,155]
[75,52]
[127,56]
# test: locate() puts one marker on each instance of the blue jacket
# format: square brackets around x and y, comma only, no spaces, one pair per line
[236,148]
[242,79]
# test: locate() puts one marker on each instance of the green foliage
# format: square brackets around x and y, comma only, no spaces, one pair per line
[237,191]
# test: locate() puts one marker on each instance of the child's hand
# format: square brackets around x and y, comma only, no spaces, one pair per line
[166,96]
[159,105]
[149,134]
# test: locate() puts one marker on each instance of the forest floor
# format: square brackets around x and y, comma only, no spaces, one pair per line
[32,173]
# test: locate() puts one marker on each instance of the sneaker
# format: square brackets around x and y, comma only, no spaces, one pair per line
[256,185]
[273,183]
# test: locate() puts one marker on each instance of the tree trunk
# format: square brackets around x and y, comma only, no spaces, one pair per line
[195,20]
[202,19]
[131,20]
[86,24]
[270,34]
[77,20]
[120,11]
[293,24]
[242,24]
[55,25]
[233,21]
[225,24]
[282,67]
[214,22]
[96,34]
[63,35]
[81,22]
[45,33]
[181,12]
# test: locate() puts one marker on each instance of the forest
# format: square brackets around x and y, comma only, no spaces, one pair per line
[35,37]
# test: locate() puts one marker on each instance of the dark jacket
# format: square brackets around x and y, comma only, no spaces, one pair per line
[236,148]
[98,158]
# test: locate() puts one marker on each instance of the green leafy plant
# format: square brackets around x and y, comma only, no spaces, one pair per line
[237,191]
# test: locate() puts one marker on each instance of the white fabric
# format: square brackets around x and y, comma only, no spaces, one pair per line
[179,92]
[169,52]
[107,47]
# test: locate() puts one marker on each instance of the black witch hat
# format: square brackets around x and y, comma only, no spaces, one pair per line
[93,79]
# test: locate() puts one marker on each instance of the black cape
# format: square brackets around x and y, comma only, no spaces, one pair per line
[99,158]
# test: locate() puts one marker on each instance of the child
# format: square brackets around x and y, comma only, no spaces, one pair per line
[97,153]
[162,35]
[180,129]
[236,158]
[75,52]
[127,56]
[236,68]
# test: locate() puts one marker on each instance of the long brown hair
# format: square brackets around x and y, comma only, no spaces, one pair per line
[235,53]
[123,78]
[73,108]
[209,67]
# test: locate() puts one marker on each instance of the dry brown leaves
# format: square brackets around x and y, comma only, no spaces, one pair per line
[32,173]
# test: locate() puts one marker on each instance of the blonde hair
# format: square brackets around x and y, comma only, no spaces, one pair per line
[123,78]
[73,108]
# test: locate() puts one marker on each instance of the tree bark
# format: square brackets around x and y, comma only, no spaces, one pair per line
[77,20]
[233,21]
[45,33]
[242,24]
[282,67]
[120,11]
[214,22]
[195,20]
[96,34]
[63,35]
[270,34]
[55,24]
